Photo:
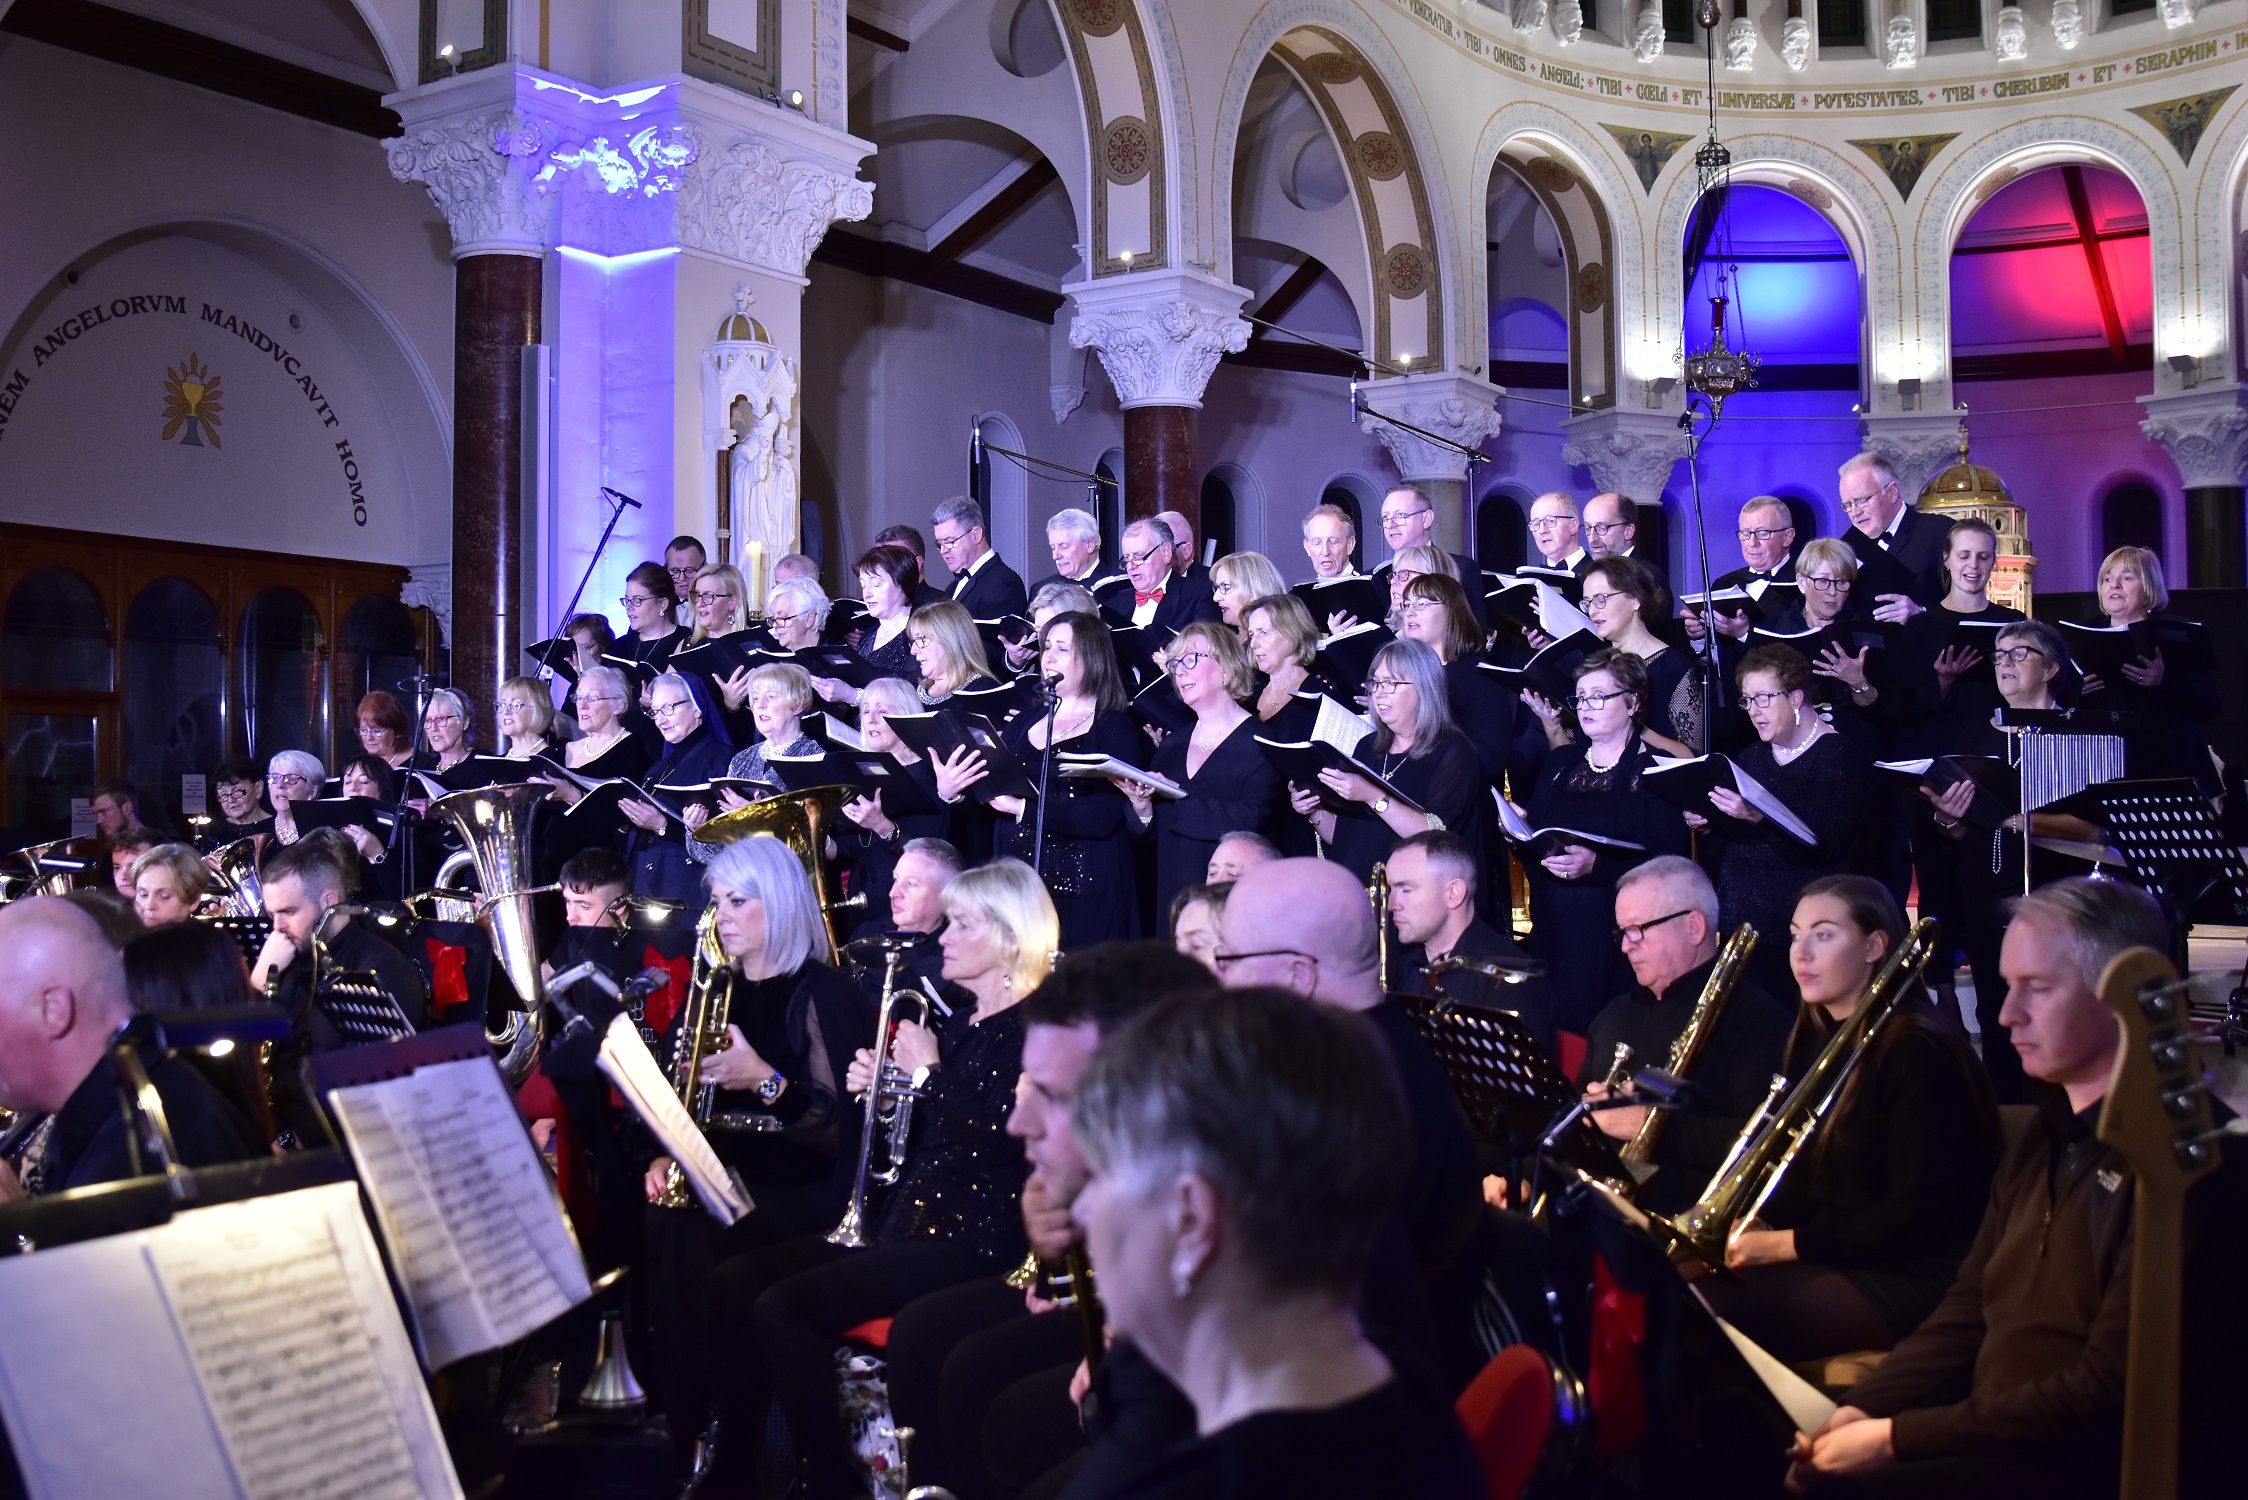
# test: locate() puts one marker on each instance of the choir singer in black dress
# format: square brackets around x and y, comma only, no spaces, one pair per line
[1416,749]
[1228,782]
[1868,1229]
[1591,786]
[1817,774]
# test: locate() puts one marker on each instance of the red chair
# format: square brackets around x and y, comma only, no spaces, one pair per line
[873,1334]
[1571,1048]
[1508,1411]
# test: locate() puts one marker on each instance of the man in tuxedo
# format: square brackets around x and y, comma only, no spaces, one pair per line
[1162,601]
[1554,527]
[1767,535]
[1073,539]
[1183,561]
[683,558]
[909,538]
[1409,520]
[1889,534]
[982,583]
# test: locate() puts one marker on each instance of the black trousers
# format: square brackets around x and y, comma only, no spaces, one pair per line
[951,1355]
[616,1186]
[1798,1311]
[777,1316]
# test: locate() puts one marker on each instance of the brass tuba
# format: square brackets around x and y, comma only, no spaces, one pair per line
[1776,1135]
[801,821]
[235,885]
[1724,978]
[494,825]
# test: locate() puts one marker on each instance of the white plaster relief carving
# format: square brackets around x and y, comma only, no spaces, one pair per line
[2205,434]
[1528,15]
[2009,40]
[1647,34]
[2177,13]
[747,203]
[1916,445]
[1630,453]
[1740,44]
[430,586]
[1472,420]
[1159,354]
[1795,43]
[1065,399]
[1903,49]
[2068,24]
[1568,22]
[485,174]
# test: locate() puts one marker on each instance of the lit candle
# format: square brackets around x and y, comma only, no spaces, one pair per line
[756,601]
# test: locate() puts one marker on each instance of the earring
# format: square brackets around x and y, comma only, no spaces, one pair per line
[1182,1280]
[1797,709]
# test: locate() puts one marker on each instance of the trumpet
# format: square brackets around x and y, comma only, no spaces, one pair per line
[890,1096]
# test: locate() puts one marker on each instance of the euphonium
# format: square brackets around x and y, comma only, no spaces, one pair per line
[1724,978]
[494,824]
[1776,1135]
[890,1086]
[703,1019]
[799,820]
[236,885]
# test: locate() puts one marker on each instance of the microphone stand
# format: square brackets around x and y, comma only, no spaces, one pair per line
[408,819]
[620,503]
[1713,680]
[1045,771]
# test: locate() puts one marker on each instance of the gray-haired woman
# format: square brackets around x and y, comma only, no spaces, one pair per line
[1417,751]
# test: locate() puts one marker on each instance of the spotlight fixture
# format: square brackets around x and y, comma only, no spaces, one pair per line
[2187,368]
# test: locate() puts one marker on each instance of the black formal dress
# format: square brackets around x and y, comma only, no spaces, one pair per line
[1394,1440]
[1761,867]
[894,657]
[870,861]
[559,837]
[1572,922]
[1674,690]
[658,652]
[1088,867]
[87,1143]
[1733,1072]
[1446,782]
[2168,740]
[1235,789]
[1885,1205]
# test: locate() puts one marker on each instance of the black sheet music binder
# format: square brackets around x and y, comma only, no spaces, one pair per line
[2169,837]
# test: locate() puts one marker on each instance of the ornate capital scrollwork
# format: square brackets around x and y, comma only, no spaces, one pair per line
[2204,432]
[748,203]
[1916,444]
[1158,335]
[1449,406]
[489,176]
[1629,452]
[430,586]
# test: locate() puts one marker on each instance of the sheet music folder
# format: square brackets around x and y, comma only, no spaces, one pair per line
[252,1340]
[476,1231]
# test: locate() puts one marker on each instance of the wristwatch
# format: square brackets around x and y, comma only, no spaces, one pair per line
[770,1090]
[1381,806]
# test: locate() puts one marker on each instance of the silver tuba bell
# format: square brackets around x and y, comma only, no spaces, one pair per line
[234,879]
[494,825]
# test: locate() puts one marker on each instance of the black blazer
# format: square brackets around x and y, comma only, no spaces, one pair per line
[1739,577]
[1236,788]
[991,591]
[1186,599]
[1918,547]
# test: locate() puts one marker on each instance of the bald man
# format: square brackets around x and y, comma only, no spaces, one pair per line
[62,994]
[1306,925]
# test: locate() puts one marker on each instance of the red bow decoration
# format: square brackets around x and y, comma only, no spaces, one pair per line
[1619,1401]
[1140,598]
[448,975]
[664,1003]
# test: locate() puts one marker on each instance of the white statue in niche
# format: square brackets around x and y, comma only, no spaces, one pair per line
[2176,13]
[1904,42]
[1740,44]
[2068,24]
[762,471]
[1568,22]
[1528,15]
[1647,38]
[2010,39]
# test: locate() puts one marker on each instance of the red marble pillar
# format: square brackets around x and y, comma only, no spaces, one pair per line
[1159,468]
[495,317]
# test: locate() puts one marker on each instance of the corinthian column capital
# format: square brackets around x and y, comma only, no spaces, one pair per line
[1458,407]
[1158,333]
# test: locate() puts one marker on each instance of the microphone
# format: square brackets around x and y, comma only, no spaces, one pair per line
[422,679]
[1663,1090]
[620,497]
[975,443]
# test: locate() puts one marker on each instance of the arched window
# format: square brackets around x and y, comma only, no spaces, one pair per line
[284,657]
[1502,528]
[1805,515]
[2131,516]
[376,647]
[1107,501]
[175,686]
[57,636]
[1223,491]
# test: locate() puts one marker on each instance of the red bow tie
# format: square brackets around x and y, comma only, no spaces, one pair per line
[1139,598]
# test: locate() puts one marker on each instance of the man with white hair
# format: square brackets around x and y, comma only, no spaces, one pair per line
[1073,539]
[1666,921]
[1238,853]
[1163,602]
[1900,551]
[1409,520]
[62,997]
[1554,529]
[1767,538]
[1183,561]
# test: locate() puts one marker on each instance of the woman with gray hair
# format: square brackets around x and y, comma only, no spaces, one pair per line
[292,776]
[882,825]
[1245,1150]
[1433,774]
[605,747]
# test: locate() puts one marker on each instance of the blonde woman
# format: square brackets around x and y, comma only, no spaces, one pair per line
[526,718]
[168,882]
[778,694]
[1413,563]
[947,649]
[1238,580]
[953,1216]
[880,833]
[2173,686]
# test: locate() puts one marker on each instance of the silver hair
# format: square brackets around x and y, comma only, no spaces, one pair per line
[2044,637]
[1078,525]
[459,704]
[2101,917]
[936,851]
[621,684]
[1064,598]
[762,868]
[1418,663]
[805,594]
[892,695]
[1676,870]
[1876,464]
[302,763]
[1154,526]
[1255,840]
[1756,503]
[961,508]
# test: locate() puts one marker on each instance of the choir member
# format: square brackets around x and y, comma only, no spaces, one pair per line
[872,846]
[1228,782]
[1883,523]
[1666,928]
[369,776]
[1330,541]
[1409,521]
[1506,735]
[384,729]
[1867,1230]
[683,559]
[2173,697]
[1238,853]
[1956,685]
[1555,529]
[1283,642]
[717,597]
[1238,580]
[1088,865]
[1415,748]
[1073,540]
[777,693]
[1276,1121]
[1046,601]
[526,719]
[948,652]
[1816,774]
[604,746]
[696,749]
[1986,862]
[776,1313]
[651,615]
[1416,562]
[1432,880]
[1162,600]
[62,995]
[1624,599]
[1826,574]
[238,785]
[1196,914]
[889,577]
[168,882]
[1592,786]
[1767,537]
[293,776]
[909,538]
[449,730]
[982,583]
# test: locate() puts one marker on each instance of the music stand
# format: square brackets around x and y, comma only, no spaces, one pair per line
[2169,837]
[1497,1069]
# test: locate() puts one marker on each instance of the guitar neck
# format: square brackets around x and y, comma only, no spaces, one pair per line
[2150,1403]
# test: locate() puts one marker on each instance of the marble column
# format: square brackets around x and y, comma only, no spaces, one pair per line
[2205,431]
[1459,407]
[1159,335]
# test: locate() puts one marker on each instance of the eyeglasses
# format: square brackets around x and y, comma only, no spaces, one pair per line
[1416,606]
[1225,961]
[1382,687]
[1602,528]
[1188,659]
[704,596]
[584,698]
[1399,517]
[1600,601]
[1762,700]
[2014,655]
[947,543]
[514,705]
[1637,934]
[1546,523]
[287,778]
[1221,586]
[1132,560]
[1586,701]
[431,721]
[1854,506]
[683,572]
[637,601]
[1824,585]
[1763,533]
[915,642]
[666,710]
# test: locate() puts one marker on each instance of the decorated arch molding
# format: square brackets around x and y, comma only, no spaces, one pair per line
[1576,182]
[1982,166]
[1128,139]
[1841,193]
[2218,186]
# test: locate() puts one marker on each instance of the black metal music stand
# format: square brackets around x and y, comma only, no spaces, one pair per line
[1502,1076]
[2169,836]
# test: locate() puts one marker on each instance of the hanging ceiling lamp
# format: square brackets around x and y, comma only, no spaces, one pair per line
[1717,371]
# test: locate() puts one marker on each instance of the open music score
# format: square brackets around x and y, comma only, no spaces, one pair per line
[250,1349]
[632,1068]
[474,1229]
